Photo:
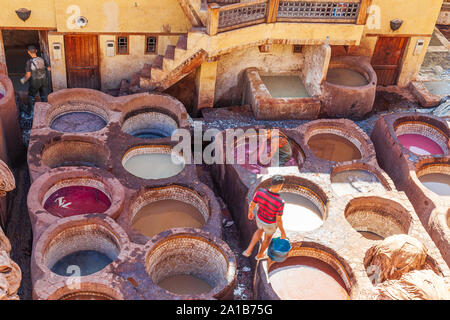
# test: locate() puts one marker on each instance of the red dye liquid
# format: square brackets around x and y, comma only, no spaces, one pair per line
[252,152]
[76,200]
[419,144]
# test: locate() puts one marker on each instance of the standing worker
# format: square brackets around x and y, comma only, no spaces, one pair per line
[268,216]
[36,72]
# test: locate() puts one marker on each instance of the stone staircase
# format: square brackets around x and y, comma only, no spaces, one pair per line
[165,70]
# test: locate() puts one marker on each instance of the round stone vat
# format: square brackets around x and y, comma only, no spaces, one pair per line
[149,123]
[159,209]
[77,117]
[77,196]
[80,245]
[420,137]
[153,162]
[435,177]
[350,87]
[191,265]
[69,192]
[376,218]
[75,152]
[251,152]
[308,274]
[305,204]
[358,178]
[334,145]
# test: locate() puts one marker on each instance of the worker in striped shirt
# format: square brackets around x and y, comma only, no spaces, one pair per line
[268,216]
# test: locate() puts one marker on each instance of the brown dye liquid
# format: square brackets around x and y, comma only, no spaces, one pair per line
[333,147]
[185,284]
[439,183]
[163,215]
[346,77]
[371,235]
[306,278]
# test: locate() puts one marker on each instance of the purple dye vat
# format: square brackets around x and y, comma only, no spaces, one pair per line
[76,200]
[1,95]
[248,156]
[78,122]
[419,144]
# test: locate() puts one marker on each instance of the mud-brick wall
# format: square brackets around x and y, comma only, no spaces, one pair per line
[231,67]
[114,69]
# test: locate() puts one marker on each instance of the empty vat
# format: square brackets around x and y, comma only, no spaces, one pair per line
[149,123]
[421,138]
[153,162]
[191,264]
[83,249]
[160,209]
[377,218]
[354,181]
[309,274]
[77,196]
[334,146]
[77,117]
[74,153]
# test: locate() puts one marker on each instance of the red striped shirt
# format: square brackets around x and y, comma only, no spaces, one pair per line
[270,205]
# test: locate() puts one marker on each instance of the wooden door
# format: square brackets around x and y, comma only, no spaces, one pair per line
[82,61]
[387,59]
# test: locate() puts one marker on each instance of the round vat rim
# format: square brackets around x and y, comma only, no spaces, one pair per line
[140,194]
[349,279]
[364,65]
[128,114]
[430,163]
[101,110]
[41,186]
[165,149]
[365,73]
[102,289]
[357,138]
[382,177]
[43,244]
[387,204]
[421,120]
[201,235]
[44,144]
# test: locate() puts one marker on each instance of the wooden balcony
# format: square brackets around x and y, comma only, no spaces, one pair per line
[232,14]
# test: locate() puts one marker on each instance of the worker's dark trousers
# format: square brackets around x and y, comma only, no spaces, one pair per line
[32,91]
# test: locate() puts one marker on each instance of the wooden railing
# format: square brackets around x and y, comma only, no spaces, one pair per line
[239,15]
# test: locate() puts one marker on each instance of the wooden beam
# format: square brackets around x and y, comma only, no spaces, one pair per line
[364,6]
[272,11]
[212,25]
